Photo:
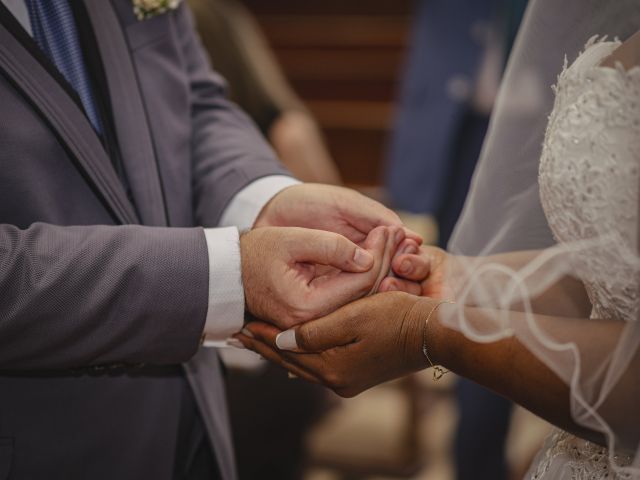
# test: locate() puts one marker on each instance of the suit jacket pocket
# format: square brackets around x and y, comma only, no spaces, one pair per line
[6,457]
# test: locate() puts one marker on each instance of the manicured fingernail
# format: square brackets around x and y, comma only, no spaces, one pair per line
[247,332]
[287,340]
[291,375]
[362,258]
[405,266]
[234,342]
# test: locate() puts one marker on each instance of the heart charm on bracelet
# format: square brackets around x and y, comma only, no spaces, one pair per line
[438,373]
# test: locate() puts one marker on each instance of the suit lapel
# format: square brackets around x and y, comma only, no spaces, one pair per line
[129,114]
[66,119]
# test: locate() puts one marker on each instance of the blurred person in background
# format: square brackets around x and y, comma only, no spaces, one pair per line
[458,52]
[238,49]
[267,446]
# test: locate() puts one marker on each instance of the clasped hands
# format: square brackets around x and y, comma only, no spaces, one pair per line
[310,267]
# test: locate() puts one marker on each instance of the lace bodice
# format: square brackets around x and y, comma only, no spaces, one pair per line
[589,175]
[589,185]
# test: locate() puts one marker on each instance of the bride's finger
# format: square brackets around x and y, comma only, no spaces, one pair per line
[390,284]
[276,357]
[408,245]
[352,233]
[411,267]
[313,338]
[311,341]
[395,237]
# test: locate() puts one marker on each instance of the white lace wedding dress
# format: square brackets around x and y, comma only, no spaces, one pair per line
[589,182]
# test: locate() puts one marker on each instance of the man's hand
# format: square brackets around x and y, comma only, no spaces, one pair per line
[363,344]
[326,207]
[292,275]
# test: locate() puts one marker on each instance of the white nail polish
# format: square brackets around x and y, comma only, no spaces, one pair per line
[287,340]
[291,375]
[245,331]
[234,342]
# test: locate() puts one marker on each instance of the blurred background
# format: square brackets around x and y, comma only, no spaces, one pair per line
[392,98]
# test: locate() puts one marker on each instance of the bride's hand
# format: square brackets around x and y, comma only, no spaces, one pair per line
[362,344]
[426,271]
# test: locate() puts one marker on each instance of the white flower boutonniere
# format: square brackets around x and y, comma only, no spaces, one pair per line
[144,9]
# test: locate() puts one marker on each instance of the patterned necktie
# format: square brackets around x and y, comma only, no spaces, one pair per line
[55,32]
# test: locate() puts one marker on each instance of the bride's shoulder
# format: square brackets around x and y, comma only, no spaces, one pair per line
[603,66]
[610,56]
[595,51]
[626,54]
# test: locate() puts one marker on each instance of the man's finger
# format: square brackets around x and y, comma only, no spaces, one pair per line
[365,214]
[411,267]
[400,285]
[416,237]
[352,233]
[394,239]
[333,291]
[327,248]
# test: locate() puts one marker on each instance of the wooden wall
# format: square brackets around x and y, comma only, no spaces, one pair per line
[344,59]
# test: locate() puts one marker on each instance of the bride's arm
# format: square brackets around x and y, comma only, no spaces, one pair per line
[628,54]
[511,369]
[431,272]
[381,337]
[565,296]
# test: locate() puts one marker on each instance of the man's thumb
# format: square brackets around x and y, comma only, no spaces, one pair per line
[327,248]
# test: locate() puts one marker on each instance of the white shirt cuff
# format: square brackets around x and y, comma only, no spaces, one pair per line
[247,204]
[226,296]
[225,313]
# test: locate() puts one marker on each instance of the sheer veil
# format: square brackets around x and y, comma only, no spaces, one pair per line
[597,353]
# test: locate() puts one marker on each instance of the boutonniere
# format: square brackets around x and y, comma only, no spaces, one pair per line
[144,9]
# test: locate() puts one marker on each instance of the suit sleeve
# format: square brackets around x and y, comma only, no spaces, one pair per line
[99,295]
[228,151]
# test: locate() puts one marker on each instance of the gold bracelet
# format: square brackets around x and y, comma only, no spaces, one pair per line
[438,371]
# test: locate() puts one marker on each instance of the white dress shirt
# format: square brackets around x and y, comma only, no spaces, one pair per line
[225,313]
